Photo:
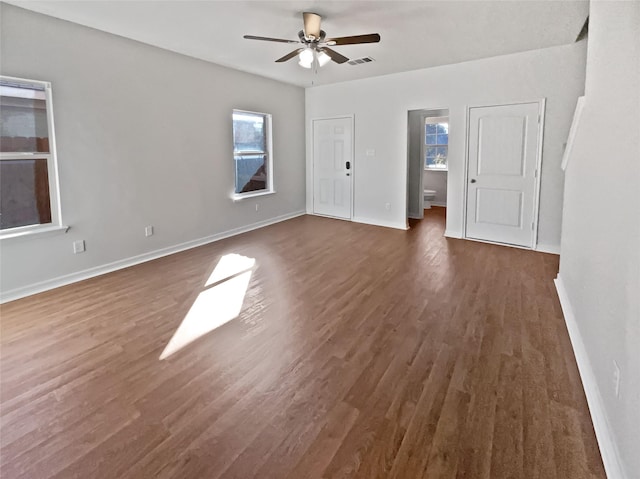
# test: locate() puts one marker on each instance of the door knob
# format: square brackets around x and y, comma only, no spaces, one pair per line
[348,165]
[472,180]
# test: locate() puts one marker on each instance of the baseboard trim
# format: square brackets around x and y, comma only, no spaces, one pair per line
[330,217]
[441,204]
[17,293]
[606,442]
[548,248]
[367,221]
[452,234]
[386,224]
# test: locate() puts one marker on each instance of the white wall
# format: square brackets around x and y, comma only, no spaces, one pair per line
[437,181]
[144,138]
[380,107]
[600,257]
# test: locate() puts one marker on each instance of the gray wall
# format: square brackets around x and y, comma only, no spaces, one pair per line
[420,179]
[143,138]
[415,166]
[600,256]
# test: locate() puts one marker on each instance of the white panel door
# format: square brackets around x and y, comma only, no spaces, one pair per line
[332,167]
[502,173]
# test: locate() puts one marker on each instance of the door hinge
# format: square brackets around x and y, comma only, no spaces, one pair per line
[533,227]
[536,173]
[538,118]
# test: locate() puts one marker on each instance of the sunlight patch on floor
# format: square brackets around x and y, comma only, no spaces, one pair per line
[230,265]
[220,302]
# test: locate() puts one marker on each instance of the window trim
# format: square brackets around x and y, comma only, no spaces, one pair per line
[52,167]
[268,120]
[433,120]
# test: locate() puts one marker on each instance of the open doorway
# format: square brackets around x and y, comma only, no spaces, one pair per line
[427,161]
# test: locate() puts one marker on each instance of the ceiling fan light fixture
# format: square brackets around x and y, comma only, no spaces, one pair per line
[313,45]
[306,58]
[323,58]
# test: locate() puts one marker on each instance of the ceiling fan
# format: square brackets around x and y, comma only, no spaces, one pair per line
[315,47]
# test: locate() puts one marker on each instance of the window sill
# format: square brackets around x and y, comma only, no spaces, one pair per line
[251,195]
[437,169]
[46,231]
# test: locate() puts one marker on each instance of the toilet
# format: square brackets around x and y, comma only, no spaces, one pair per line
[429,196]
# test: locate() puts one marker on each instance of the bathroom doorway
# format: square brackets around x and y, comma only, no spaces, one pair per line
[427,160]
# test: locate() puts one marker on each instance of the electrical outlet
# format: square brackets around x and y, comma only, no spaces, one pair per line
[387,206]
[148,231]
[616,378]
[78,246]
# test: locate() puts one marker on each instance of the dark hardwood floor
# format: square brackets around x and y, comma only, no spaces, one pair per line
[359,352]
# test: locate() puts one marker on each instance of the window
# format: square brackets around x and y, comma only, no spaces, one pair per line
[252,153]
[436,142]
[28,174]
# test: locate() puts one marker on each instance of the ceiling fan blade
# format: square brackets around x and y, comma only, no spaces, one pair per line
[311,24]
[268,39]
[335,56]
[289,56]
[353,40]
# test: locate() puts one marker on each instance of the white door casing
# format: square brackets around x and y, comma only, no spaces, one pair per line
[502,173]
[333,167]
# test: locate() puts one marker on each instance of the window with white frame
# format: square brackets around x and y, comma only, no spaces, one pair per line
[252,153]
[436,143]
[28,174]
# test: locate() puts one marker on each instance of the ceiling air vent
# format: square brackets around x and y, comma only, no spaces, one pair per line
[360,61]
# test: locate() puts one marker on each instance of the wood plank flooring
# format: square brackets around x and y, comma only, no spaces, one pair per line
[359,352]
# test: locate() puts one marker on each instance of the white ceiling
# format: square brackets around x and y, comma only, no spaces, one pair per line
[415,34]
